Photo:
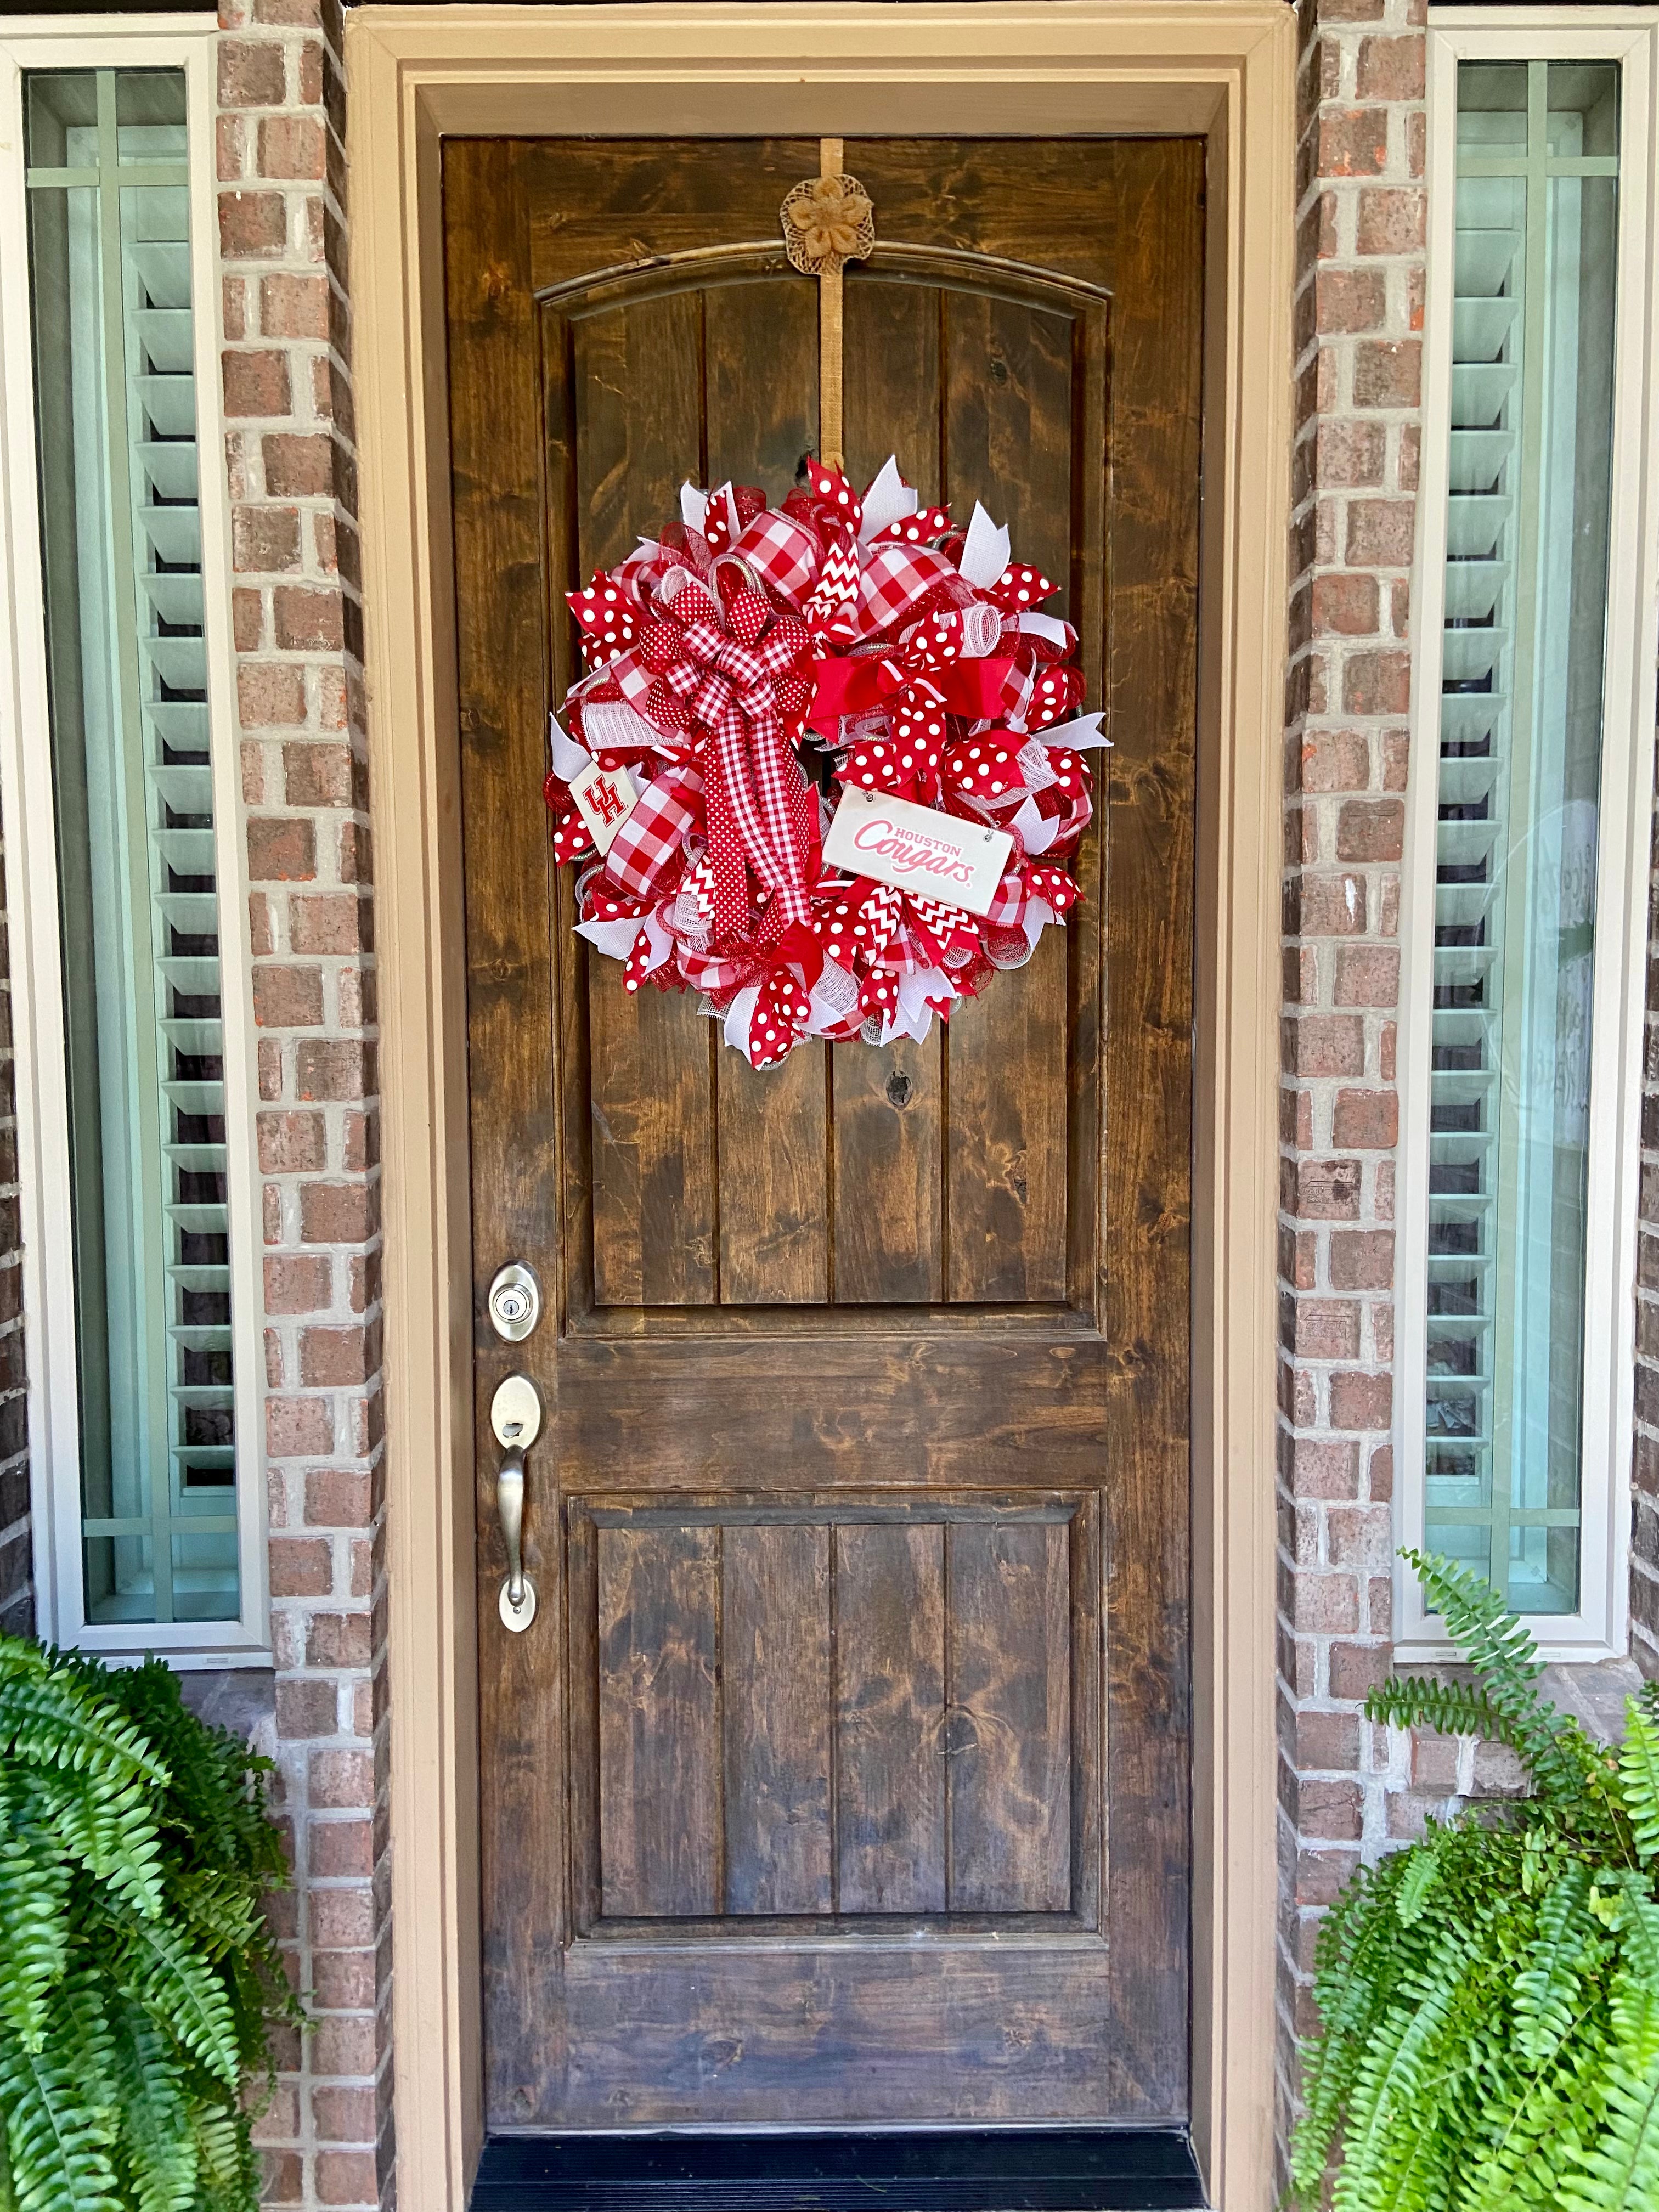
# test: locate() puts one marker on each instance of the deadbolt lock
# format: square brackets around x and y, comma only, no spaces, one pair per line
[515,1302]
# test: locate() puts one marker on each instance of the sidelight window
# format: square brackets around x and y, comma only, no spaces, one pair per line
[143,1228]
[1525,869]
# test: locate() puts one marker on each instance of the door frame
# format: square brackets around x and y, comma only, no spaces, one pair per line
[1224,70]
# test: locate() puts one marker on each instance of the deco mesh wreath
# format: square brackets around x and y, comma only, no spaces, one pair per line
[906,661]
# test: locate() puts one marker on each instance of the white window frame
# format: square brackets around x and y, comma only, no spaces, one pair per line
[185,42]
[1629,36]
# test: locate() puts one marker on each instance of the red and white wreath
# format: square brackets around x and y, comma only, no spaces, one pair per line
[827,762]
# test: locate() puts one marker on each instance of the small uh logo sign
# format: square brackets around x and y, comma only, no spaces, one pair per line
[604,797]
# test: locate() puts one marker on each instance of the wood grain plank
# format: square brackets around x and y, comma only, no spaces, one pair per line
[774,1180]
[1007,377]
[1005,1054]
[659,1699]
[652,1144]
[497,493]
[888,1171]
[760,354]
[890,1717]
[891,405]
[775,1681]
[1008,1607]
[639,435]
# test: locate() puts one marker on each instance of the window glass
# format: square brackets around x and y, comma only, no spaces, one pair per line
[116,406]
[1519,776]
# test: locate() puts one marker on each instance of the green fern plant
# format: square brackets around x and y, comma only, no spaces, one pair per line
[139,1981]
[1489,1999]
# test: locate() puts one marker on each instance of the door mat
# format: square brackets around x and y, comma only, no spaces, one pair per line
[927,2170]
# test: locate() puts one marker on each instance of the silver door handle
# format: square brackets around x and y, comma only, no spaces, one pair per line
[509,1504]
[515,1416]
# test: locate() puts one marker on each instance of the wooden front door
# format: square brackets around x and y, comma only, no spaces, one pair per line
[843,1774]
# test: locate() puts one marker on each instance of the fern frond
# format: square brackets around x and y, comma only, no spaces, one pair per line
[1621,2173]
[1546,1993]
[34,1931]
[156,2152]
[1639,1776]
[1448,1708]
[58,2145]
[184,1995]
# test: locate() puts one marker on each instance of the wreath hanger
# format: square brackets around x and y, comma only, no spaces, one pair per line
[828,220]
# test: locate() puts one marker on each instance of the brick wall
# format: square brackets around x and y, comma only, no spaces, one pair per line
[16,1564]
[299,642]
[1360,225]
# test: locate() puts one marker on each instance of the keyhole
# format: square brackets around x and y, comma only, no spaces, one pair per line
[898,1090]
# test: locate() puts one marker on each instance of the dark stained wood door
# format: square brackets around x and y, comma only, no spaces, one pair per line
[843,1775]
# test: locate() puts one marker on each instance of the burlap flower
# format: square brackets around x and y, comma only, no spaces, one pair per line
[828,220]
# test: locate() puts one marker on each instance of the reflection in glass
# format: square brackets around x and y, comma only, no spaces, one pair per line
[133,785]
[1516,838]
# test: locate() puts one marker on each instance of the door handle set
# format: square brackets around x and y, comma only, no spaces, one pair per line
[515,1415]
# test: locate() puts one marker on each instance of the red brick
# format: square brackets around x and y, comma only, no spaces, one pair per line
[362,1141]
[299,1428]
[1357,1669]
[328,1068]
[1370,829]
[271,695]
[1367,975]
[343,2042]
[1324,1190]
[342,1981]
[1353,142]
[298,1282]
[1348,300]
[1376,684]
[341,1847]
[1345,605]
[343,2116]
[282,2178]
[256,383]
[1326,1740]
[1335,760]
[247,620]
[292,1144]
[356,845]
[291,146]
[1361,1401]
[1360,1536]
[287,997]
[343,1778]
[251,73]
[1347,453]
[301,1566]
[1362,1259]
[1391,68]
[306,1709]
[308,621]
[251,225]
[318,772]
[1330,906]
[299,466]
[281,852]
[339,1639]
[294,306]
[346,2177]
[1365,1121]
[1380,532]
[336,923]
[329,1356]
[341,1919]
[1324,1328]
[1326,1605]
[1388,373]
[337,1212]
[1392,219]
[265,541]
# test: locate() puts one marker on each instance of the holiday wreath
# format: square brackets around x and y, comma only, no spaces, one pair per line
[826,762]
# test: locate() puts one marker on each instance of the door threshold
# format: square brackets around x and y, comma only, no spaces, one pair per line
[1027,2169]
